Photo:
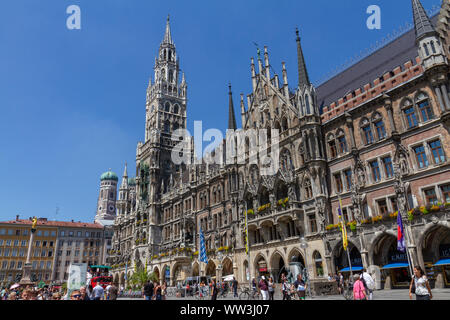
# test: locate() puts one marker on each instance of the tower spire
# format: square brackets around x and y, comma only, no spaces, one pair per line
[303,78]
[125,173]
[231,116]
[168,34]
[422,22]
[124,184]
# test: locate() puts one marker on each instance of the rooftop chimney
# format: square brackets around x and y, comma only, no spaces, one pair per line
[17,217]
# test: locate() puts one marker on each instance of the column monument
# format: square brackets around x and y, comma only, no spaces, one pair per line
[26,279]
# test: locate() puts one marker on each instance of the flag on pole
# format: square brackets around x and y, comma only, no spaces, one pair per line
[203,257]
[126,269]
[344,229]
[400,234]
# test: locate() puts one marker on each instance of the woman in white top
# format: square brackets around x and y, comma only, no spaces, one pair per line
[271,288]
[422,287]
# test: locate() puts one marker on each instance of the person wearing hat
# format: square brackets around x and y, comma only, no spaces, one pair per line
[264,287]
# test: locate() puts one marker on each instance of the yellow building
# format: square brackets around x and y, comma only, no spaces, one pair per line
[14,241]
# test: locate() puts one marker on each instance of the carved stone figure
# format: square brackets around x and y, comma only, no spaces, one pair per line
[320,214]
[361,176]
[291,192]
[403,164]
[272,199]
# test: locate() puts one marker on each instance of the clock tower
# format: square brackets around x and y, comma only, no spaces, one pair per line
[106,204]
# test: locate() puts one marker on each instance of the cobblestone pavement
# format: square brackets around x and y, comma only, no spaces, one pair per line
[438,294]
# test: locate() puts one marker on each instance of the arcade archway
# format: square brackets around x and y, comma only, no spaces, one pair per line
[277,266]
[211,269]
[436,255]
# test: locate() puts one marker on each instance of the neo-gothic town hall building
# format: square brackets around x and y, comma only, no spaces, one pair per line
[376,136]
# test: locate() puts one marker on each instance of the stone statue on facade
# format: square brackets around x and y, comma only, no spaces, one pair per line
[273,200]
[403,162]
[320,213]
[291,192]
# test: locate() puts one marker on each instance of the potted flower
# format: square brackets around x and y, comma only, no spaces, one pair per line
[435,207]
[393,215]
[352,225]
[250,211]
[195,253]
[377,219]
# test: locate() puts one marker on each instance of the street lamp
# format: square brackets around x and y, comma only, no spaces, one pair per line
[304,245]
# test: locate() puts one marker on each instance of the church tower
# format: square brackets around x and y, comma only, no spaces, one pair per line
[312,151]
[106,204]
[431,52]
[165,113]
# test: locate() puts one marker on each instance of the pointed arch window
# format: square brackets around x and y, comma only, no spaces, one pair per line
[423,103]
[366,131]
[308,107]
[284,124]
[318,263]
[308,189]
[332,146]
[286,161]
[378,123]
[176,109]
[167,107]
[342,142]
[409,114]
[433,47]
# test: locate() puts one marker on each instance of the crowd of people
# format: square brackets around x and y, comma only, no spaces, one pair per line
[362,286]
[57,293]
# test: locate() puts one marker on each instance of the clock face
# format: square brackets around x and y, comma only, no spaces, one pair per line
[111,208]
[99,208]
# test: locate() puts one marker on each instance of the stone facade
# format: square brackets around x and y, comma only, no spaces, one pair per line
[380,149]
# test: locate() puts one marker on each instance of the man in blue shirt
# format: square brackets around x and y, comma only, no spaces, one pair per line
[98,292]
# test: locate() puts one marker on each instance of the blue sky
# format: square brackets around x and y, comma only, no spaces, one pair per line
[73,101]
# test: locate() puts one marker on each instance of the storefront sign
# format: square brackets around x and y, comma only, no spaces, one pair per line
[356,261]
[398,257]
[444,250]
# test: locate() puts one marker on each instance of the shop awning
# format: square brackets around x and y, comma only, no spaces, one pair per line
[101,267]
[396,265]
[354,268]
[443,262]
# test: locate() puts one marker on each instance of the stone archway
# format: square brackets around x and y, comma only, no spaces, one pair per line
[393,264]
[245,272]
[340,258]
[195,269]
[211,269]
[295,255]
[165,274]
[227,267]
[176,274]
[277,266]
[434,248]
[260,266]
[156,272]
[122,279]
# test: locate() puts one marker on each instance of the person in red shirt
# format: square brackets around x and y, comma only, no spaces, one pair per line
[359,291]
